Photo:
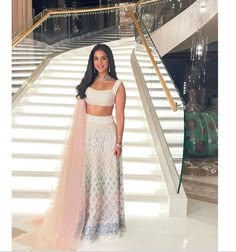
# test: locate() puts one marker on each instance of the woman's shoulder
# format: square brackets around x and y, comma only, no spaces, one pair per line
[117,82]
[116,85]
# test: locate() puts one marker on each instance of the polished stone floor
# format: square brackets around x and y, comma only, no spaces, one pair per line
[198,231]
[200,179]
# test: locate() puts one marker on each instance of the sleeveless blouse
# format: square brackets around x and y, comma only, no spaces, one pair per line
[102,97]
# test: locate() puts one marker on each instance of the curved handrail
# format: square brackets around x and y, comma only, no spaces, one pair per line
[153,44]
[61,12]
[30,29]
[163,83]
[27,25]
[125,6]
[73,11]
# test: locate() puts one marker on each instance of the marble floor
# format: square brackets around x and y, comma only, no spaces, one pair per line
[200,179]
[198,231]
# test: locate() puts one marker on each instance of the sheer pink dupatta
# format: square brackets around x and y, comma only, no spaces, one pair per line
[62,225]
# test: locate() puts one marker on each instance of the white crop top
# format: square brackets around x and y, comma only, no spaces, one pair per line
[102,97]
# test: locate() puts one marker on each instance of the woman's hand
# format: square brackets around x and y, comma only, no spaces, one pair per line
[117,150]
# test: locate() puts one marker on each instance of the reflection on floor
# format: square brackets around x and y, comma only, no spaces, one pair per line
[200,179]
[198,231]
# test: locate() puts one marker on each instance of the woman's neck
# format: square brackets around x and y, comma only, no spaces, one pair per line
[103,77]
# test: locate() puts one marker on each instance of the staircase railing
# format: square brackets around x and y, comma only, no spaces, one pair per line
[176,191]
[22,29]
[67,17]
[158,12]
[143,37]
[58,30]
[67,12]
[166,90]
[75,11]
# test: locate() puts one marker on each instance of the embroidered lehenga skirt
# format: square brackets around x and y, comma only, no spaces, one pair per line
[103,178]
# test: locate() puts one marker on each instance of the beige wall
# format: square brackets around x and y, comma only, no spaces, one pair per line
[21,14]
[169,36]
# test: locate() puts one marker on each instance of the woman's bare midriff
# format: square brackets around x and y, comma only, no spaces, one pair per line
[99,110]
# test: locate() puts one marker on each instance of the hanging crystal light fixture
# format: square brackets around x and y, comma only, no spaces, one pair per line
[197,77]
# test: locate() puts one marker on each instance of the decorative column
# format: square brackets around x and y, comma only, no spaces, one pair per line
[21,15]
[60,3]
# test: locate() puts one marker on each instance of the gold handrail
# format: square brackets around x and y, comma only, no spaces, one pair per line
[163,83]
[30,29]
[132,6]
[54,12]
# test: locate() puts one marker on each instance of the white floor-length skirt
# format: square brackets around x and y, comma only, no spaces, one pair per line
[103,178]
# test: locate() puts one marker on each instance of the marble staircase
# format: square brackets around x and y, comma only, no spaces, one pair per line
[40,124]
[28,54]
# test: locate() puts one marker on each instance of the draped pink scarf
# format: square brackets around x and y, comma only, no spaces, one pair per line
[62,225]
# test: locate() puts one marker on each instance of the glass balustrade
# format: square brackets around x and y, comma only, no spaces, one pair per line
[62,30]
[159,88]
[155,14]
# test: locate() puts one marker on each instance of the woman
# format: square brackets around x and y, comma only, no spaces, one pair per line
[89,200]
[104,212]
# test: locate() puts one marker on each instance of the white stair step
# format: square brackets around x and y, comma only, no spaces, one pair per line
[60,135]
[40,101]
[23,67]
[54,110]
[44,163]
[79,76]
[43,89]
[168,125]
[35,164]
[46,99]
[20,116]
[37,122]
[129,150]
[130,125]
[18,82]
[27,207]
[161,93]
[32,166]
[161,113]
[23,57]
[132,187]
[177,137]
[28,53]
[65,111]
[74,66]
[22,63]
[44,134]
[68,70]
[73,83]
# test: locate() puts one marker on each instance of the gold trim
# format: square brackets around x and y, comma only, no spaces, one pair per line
[30,29]
[166,90]
[150,1]
[51,12]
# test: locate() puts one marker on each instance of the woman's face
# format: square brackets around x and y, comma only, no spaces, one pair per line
[100,61]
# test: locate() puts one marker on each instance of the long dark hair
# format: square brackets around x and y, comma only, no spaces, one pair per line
[91,72]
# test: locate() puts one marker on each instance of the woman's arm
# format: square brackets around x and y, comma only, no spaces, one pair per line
[120,118]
